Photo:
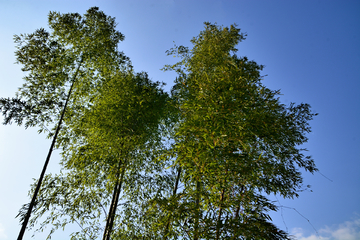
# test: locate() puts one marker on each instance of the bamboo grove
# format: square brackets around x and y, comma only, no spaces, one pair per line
[141,163]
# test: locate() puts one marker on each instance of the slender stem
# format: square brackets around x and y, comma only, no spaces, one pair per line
[32,203]
[174,193]
[197,216]
[218,225]
[113,206]
[107,231]
[237,213]
[177,181]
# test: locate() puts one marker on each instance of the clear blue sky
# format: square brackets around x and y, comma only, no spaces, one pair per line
[311,50]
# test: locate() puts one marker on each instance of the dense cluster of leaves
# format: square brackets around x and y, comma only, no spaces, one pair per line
[234,142]
[51,60]
[114,139]
[194,165]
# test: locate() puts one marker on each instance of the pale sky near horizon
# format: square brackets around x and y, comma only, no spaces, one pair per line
[310,49]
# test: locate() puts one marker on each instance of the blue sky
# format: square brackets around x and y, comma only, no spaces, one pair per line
[311,52]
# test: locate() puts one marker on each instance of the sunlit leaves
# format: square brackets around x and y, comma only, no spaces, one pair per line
[115,142]
[235,139]
[231,139]
[50,59]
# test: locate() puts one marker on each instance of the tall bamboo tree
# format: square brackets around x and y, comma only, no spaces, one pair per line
[108,159]
[235,142]
[65,66]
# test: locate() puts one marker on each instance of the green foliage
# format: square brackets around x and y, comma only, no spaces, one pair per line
[120,133]
[196,165]
[234,141]
[50,60]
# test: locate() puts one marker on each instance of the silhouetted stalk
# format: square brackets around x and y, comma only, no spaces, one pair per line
[32,203]
[218,225]
[114,201]
[237,213]
[174,193]
[197,213]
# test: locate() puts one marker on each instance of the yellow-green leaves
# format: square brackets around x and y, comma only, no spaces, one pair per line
[50,60]
[234,139]
[229,138]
